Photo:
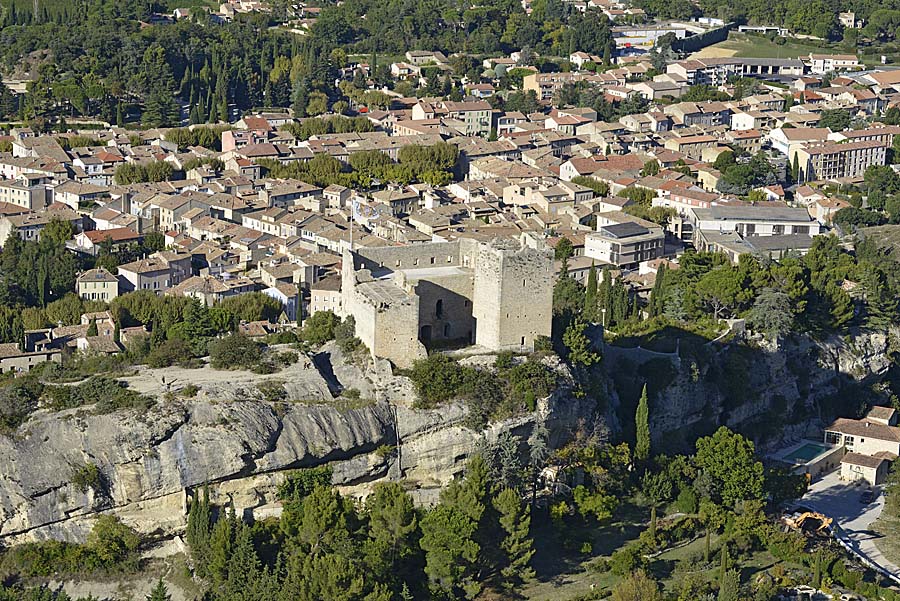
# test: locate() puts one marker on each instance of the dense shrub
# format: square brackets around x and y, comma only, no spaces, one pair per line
[18,399]
[86,476]
[170,352]
[319,327]
[111,546]
[106,394]
[234,351]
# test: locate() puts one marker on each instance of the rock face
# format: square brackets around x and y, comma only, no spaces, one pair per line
[151,462]
[768,393]
[147,461]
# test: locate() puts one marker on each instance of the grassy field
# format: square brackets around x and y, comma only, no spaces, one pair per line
[745,45]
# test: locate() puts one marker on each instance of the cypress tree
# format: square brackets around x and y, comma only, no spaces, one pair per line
[817,574]
[199,527]
[657,295]
[642,428]
[590,295]
[706,547]
[723,568]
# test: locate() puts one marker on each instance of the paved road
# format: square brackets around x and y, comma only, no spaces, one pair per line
[841,502]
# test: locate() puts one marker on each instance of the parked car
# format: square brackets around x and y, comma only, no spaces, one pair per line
[867,497]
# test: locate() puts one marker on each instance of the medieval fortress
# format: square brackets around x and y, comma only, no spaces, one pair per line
[497,295]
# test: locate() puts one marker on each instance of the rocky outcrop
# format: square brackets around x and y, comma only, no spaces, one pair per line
[148,460]
[151,462]
[767,392]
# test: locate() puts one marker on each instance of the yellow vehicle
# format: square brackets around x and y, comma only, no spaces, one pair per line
[808,521]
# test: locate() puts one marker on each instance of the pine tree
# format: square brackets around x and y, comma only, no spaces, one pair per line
[642,428]
[220,545]
[517,544]
[159,592]
[653,522]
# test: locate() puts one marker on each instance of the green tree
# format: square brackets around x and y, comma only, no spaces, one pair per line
[319,327]
[590,295]
[651,167]
[771,313]
[729,590]
[729,462]
[642,425]
[393,527]
[111,541]
[199,531]
[579,350]
[160,592]
[234,351]
[720,290]
[517,543]
[835,119]
[450,551]
[637,587]
[563,249]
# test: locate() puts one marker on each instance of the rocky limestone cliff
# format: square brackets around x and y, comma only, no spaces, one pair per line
[769,393]
[242,447]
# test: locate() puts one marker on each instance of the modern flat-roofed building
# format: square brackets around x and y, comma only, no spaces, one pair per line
[717,71]
[754,220]
[624,241]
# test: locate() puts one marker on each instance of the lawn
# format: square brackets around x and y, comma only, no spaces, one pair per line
[757,46]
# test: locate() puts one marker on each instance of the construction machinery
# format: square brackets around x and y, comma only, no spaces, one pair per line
[811,522]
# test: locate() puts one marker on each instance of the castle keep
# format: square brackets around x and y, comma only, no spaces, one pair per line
[497,295]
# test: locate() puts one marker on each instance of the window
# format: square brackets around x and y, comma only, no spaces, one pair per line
[432,260]
[524,283]
[439,308]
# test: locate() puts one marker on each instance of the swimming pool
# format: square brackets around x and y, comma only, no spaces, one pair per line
[807,452]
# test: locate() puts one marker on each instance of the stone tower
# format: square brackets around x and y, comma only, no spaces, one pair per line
[513,294]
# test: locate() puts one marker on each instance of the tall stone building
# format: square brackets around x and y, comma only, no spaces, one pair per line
[497,295]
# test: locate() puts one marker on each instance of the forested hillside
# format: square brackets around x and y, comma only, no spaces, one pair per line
[103,62]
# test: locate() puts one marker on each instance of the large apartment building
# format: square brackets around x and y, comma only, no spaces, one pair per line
[832,161]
